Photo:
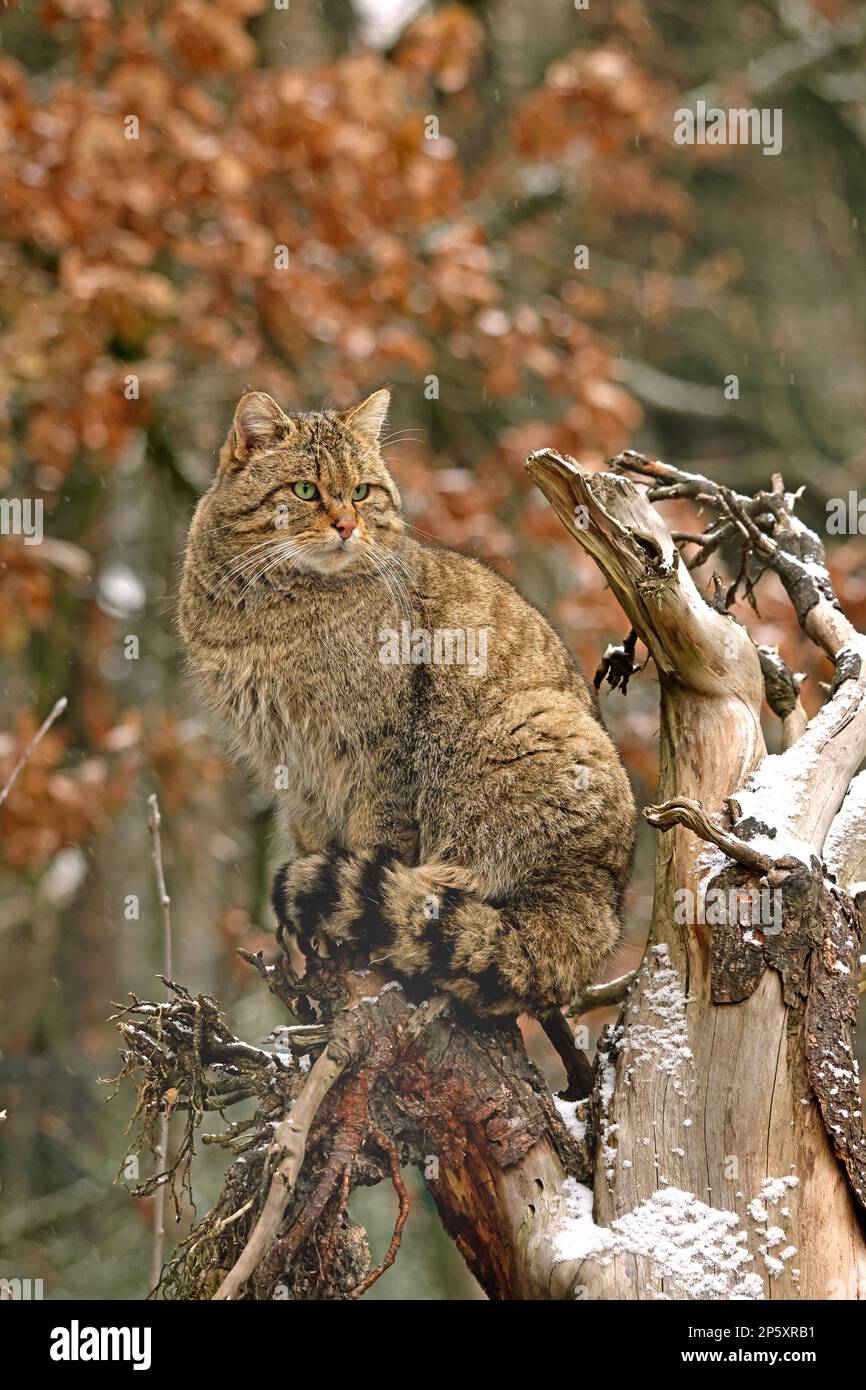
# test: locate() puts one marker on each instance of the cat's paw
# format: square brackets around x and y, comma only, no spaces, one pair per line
[305,895]
[333,896]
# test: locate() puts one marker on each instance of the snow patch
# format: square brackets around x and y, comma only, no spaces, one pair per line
[660,1039]
[607,1084]
[785,781]
[568,1114]
[696,1248]
[847,828]
[773,1191]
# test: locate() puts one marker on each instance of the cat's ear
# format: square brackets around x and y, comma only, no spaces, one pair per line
[259,423]
[368,418]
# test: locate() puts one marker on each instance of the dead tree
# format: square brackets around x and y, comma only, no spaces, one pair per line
[716,1149]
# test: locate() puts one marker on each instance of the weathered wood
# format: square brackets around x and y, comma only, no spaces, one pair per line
[694,1122]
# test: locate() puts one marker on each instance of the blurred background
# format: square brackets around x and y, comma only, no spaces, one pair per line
[481,204]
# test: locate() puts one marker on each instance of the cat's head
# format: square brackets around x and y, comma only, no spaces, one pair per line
[308,492]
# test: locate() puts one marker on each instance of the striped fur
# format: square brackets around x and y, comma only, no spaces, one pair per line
[473,830]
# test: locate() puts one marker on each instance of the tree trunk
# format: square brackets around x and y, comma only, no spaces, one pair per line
[730,1107]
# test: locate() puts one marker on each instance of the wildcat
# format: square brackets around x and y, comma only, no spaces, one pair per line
[470,823]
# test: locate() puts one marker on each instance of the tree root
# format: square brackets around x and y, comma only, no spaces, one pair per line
[390,1149]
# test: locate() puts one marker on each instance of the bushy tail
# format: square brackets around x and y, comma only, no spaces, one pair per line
[529,956]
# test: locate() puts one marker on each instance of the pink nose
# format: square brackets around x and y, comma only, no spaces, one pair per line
[344,526]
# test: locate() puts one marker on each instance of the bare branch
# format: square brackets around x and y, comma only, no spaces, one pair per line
[768,526]
[683,811]
[154,821]
[56,712]
[687,639]
[604,996]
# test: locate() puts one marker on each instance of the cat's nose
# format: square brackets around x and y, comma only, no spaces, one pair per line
[344,526]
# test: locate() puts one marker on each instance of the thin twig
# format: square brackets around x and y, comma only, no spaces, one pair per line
[154,820]
[707,541]
[281,980]
[772,536]
[56,712]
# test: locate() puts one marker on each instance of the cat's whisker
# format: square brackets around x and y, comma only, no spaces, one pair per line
[429,534]
[248,560]
[410,589]
[284,556]
[285,552]
[383,578]
[393,560]
[245,554]
[416,435]
[379,574]
[399,596]
[226,580]
[397,579]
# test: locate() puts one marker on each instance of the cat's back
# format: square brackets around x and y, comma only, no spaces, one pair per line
[522,648]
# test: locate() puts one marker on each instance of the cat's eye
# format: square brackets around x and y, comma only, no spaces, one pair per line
[360,492]
[307,491]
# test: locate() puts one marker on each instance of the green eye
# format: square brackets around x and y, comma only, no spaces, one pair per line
[306,491]
[360,492]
